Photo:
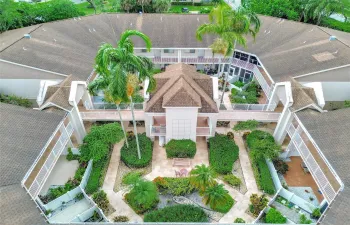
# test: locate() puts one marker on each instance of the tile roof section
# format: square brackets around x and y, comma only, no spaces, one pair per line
[284,47]
[172,85]
[59,94]
[330,130]
[302,96]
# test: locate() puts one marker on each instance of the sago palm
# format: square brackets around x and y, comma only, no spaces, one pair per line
[215,196]
[202,176]
[114,64]
[231,26]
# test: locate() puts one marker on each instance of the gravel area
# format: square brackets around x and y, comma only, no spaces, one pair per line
[123,170]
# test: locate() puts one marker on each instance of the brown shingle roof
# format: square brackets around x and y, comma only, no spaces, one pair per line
[302,96]
[181,86]
[59,94]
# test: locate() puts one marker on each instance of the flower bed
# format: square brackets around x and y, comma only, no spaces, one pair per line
[174,186]
[185,148]
[129,155]
[177,213]
[223,152]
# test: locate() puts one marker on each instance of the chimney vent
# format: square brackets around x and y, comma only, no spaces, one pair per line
[27,36]
[332,38]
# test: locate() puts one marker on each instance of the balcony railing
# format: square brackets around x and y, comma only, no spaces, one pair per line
[248,107]
[263,83]
[298,143]
[158,130]
[104,105]
[203,131]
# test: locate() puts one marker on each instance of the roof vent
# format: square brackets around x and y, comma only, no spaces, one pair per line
[332,38]
[27,36]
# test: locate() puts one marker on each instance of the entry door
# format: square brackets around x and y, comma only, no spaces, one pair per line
[181,129]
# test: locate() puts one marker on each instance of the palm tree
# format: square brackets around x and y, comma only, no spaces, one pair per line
[231,26]
[318,9]
[202,176]
[115,64]
[215,196]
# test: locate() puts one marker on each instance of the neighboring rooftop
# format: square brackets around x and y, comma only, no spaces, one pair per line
[286,48]
[24,132]
[181,86]
[330,130]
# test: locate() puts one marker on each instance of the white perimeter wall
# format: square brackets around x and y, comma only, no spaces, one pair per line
[336,91]
[181,123]
[26,88]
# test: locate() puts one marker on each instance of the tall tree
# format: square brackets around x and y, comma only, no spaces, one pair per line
[160,6]
[144,3]
[215,196]
[115,65]
[319,9]
[231,26]
[127,5]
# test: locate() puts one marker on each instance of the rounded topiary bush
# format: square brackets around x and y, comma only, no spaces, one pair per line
[185,148]
[129,155]
[177,213]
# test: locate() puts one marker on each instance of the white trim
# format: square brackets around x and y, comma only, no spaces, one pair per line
[322,71]
[52,104]
[34,68]
[319,150]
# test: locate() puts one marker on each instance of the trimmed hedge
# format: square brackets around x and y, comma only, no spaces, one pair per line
[174,186]
[246,125]
[226,207]
[129,155]
[232,180]
[177,213]
[185,148]
[223,152]
[97,175]
[275,217]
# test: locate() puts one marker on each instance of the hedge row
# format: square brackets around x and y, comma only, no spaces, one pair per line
[177,213]
[129,155]
[185,148]
[223,152]
[97,175]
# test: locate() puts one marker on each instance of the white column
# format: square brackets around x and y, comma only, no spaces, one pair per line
[282,125]
[179,55]
[77,122]
[86,98]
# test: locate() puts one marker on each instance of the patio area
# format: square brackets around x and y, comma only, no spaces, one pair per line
[297,177]
[61,173]
[68,214]
[162,166]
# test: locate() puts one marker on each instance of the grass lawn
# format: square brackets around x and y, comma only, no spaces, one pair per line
[177,8]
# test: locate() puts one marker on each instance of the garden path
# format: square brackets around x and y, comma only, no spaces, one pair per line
[242,201]
[116,198]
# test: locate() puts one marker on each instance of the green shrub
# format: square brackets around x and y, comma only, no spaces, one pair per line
[316,213]
[239,84]
[230,135]
[281,166]
[70,156]
[218,198]
[335,24]
[232,180]
[121,219]
[129,155]
[223,152]
[262,145]
[177,213]
[234,91]
[227,206]
[246,125]
[304,220]
[258,203]
[239,220]
[97,175]
[174,186]
[15,100]
[100,198]
[185,148]
[143,196]
[131,177]
[262,175]
[275,217]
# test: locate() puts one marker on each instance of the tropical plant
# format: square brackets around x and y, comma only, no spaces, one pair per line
[347,104]
[262,145]
[304,220]
[232,180]
[258,203]
[215,196]
[127,5]
[116,68]
[281,166]
[15,100]
[319,9]
[143,3]
[129,154]
[121,219]
[275,217]
[316,213]
[160,6]
[202,176]
[174,186]
[239,220]
[230,26]
[131,177]
[143,196]
[101,200]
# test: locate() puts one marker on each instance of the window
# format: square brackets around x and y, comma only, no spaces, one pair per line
[253,60]
[190,51]
[169,50]
[241,56]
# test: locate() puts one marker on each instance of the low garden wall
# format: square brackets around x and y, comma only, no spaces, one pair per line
[85,215]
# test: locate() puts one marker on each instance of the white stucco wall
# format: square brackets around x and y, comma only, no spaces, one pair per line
[181,123]
[336,91]
[319,92]
[26,88]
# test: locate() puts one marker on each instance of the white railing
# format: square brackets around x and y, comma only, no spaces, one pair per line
[69,128]
[263,83]
[240,115]
[49,163]
[248,107]
[158,130]
[104,106]
[316,171]
[107,115]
